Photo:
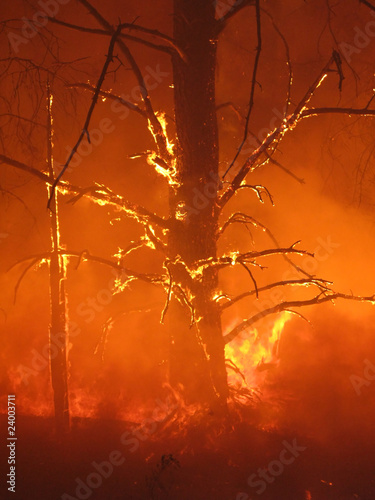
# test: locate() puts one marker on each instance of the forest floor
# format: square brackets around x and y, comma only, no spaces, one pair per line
[110,460]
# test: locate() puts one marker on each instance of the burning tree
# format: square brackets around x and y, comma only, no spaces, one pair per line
[185,153]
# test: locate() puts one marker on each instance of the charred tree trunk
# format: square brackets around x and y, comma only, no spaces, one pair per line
[197,353]
[57,333]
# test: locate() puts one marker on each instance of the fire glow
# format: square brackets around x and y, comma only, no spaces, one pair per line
[256,353]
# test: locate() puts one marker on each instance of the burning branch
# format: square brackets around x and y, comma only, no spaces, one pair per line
[86,255]
[97,193]
[247,257]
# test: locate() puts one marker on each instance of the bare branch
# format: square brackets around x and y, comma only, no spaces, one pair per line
[95,97]
[155,125]
[237,7]
[22,166]
[252,278]
[33,262]
[258,190]
[253,83]
[173,47]
[320,283]
[248,257]
[344,111]
[169,293]
[96,193]
[368,4]
[276,134]
[283,306]
[288,60]
[111,96]
[242,218]
[85,255]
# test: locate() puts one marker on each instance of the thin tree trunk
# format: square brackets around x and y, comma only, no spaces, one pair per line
[57,333]
[194,234]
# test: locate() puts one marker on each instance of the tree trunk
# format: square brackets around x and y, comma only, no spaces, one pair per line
[197,354]
[57,333]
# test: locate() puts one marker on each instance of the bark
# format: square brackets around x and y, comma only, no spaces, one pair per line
[197,354]
[57,333]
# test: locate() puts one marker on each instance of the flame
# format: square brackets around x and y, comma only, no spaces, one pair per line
[256,353]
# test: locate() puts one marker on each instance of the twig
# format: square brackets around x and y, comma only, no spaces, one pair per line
[85,131]
[282,306]
[253,83]
[320,283]
[109,95]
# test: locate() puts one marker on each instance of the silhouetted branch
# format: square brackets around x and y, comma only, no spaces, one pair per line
[155,125]
[111,96]
[320,283]
[368,4]
[283,306]
[242,218]
[253,83]
[85,131]
[237,7]
[344,111]
[95,193]
[248,257]
[173,47]
[85,255]
[287,124]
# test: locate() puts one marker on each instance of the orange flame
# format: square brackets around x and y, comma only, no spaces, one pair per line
[256,353]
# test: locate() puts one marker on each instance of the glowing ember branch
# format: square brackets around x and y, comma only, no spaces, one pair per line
[97,193]
[105,197]
[258,189]
[86,256]
[247,257]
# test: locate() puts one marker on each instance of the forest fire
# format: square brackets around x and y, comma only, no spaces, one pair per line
[256,352]
[186,281]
